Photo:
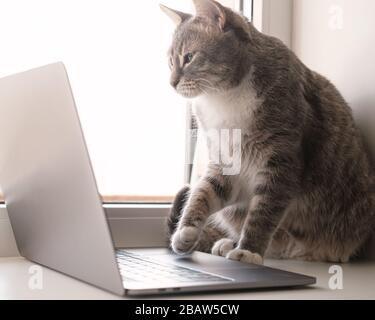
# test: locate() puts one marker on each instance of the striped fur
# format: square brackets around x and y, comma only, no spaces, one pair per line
[306,184]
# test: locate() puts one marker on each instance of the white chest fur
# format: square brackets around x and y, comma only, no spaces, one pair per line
[231,109]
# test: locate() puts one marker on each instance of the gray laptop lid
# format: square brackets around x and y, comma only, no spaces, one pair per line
[47,180]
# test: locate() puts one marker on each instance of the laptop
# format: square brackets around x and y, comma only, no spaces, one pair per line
[56,211]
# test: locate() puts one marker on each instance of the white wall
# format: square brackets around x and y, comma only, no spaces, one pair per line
[337,39]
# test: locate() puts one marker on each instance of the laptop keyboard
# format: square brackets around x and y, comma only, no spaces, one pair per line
[134,267]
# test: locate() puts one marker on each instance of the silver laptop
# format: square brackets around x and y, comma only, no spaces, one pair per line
[56,211]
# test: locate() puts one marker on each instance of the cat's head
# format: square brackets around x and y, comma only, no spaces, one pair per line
[207,54]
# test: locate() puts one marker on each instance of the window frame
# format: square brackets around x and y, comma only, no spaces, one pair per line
[274,18]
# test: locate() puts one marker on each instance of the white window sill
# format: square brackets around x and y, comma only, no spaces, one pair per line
[138,225]
[132,225]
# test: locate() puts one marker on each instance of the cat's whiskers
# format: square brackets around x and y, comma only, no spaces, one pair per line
[206,89]
[208,85]
[188,88]
[202,79]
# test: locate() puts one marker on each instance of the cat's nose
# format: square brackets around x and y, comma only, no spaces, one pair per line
[174,82]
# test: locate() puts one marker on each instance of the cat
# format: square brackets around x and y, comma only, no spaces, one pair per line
[305,188]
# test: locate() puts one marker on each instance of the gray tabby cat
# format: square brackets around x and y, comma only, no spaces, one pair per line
[306,184]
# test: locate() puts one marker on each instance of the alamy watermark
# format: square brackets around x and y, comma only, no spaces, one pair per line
[36,277]
[224,148]
[336,17]
[336,281]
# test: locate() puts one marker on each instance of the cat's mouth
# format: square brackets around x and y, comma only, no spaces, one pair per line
[188,89]
[189,93]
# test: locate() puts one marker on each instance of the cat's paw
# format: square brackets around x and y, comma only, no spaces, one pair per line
[244,256]
[222,247]
[184,240]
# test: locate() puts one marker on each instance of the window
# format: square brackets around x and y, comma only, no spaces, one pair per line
[246,6]
[115,54]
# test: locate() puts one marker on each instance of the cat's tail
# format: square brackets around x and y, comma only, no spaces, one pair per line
[176,210]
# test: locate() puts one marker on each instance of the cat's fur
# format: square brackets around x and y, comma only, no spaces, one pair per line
[306,185]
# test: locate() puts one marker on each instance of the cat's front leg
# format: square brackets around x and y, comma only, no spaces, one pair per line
[206,198]
[275,188]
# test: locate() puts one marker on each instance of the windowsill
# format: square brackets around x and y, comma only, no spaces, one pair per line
[132,225]
[358,283]
[137,199]
[124,210]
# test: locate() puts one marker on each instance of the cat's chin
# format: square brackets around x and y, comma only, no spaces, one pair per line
[190,95]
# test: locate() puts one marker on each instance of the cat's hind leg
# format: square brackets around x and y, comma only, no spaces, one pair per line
[207,198]
[209,237]
[222,247]
[284,246]
[210,234]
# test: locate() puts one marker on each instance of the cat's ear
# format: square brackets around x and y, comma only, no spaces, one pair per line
[211,10]
[176,16]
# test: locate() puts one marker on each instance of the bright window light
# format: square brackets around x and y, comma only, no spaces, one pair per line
[115,54]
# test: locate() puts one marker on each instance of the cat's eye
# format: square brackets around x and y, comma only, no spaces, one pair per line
[188,58]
